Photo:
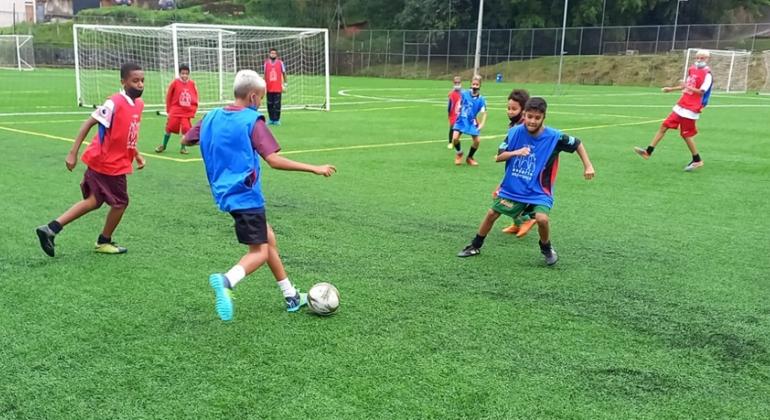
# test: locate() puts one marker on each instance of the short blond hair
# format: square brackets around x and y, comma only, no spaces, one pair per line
[704,53]
[247,81]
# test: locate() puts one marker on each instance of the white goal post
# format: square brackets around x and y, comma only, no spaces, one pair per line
[17,52]
[214,54]
[765,89]
[729,68]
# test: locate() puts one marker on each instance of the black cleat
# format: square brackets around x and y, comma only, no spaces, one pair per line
[46,236]
[469,251]
[550,255]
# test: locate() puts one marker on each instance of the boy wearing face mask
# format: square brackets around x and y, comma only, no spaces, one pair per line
[232,140]
[453,108]
[696,91]
[181,106]
[473,107]
[275,73]
[531,155]
[109,158]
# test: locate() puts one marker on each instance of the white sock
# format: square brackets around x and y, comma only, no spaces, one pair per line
[236,274]
[287,288]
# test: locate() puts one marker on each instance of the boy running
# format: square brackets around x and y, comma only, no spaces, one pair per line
[696,91]
[181,106]
[232,140]
[473,107]
[531,156]
[108,158]
[453,107]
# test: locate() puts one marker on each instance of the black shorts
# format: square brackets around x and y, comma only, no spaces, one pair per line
[250,226]
[110,189]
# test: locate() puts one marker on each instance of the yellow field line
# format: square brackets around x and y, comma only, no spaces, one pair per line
[354,147]
[52,137]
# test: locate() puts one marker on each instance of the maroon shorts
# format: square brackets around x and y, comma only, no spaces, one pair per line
[110,189]
[178,125]
[686,126]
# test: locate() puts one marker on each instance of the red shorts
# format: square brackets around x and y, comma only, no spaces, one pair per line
[178,125]
[110,189]
[686,126]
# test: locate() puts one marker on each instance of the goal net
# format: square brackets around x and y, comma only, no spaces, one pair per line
[729,69]
[213,52]
[765,89]
[17,52]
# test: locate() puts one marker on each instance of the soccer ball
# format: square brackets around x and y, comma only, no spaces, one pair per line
[323,298]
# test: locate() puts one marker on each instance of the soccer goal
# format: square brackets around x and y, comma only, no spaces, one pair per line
[765,89]
[729,69]
[17,52]
[213,52]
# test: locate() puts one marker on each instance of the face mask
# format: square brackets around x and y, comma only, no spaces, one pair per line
[134,93]
[458,87]
[700,64]
[475,90]
[515,119]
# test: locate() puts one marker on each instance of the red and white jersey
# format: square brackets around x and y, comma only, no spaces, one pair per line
[113,148]
[182,99]
[454,106]
[274,70]
[691,103]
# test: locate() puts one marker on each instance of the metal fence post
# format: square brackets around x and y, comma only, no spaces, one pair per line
[687,38]
[369,60]
[719,34]
[657,39]
[489,36]
[427,73]
[353,55]
[387,53]
[754,38]
[448,43]
[532,44]
[403,53]
[510,41]
[580,44]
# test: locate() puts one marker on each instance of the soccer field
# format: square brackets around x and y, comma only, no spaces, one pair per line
[658,307]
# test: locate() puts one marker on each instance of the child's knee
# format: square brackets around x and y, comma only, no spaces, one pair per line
[541,218]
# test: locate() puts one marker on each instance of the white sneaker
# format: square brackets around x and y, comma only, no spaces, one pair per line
[693,166]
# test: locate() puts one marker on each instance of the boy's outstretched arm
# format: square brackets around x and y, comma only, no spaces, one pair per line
[72,156]
[277,161]
[588,172]
[193,136]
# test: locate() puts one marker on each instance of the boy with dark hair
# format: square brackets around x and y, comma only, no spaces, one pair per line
[181,106]
[531,154]
[232,140]
[275,75]
[109,157]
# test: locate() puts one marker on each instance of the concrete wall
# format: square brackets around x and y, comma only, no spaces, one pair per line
[7,12]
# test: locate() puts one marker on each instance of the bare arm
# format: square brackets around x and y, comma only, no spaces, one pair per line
[668,89]
[589,172]
[193,136]
[72,157]
[277,161]
[482,120]
[503,156]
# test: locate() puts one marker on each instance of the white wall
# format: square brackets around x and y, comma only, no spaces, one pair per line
[6,12]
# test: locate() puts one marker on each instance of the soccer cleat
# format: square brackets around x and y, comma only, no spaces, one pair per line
[693,166]
[160,149]
[293,303]
[184,151]
[525,227]
[471,162]
[550,255]
[469,251]
[642,152]
[109,248]
[512,229]
[46,236]
[223,297]
[459,159]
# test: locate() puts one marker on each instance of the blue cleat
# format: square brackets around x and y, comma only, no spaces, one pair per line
[224,298]
[295,302]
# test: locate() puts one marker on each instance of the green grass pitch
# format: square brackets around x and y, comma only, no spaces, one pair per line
[658,307]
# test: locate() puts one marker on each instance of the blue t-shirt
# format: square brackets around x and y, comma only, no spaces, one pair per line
[232,164]
[530,179]
[470,107]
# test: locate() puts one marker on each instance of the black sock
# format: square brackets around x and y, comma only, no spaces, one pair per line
[545,246]
[650,149]
[472,152]
[457,147]
[103,239]
[696,158]
[478,241]
[55,226]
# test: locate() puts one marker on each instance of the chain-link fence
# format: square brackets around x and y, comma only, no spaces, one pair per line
[635,55]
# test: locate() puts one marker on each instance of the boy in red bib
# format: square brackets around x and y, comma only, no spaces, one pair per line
[108,158]
[181,106]
[696,91]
